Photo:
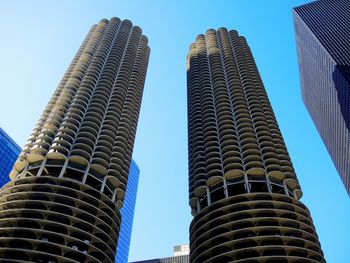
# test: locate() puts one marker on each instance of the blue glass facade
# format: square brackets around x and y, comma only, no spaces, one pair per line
[9,151]
[323,37]
[128,214]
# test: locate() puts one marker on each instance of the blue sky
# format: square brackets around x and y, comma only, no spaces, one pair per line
[39,39]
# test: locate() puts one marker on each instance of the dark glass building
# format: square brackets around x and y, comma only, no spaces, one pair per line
[68,184]
[323,36]
[9,151]
[128,214]
[243,189]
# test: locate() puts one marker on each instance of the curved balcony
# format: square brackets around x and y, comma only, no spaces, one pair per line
[45,221]
[267,225]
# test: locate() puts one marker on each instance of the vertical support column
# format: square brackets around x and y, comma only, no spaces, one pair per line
[114,195]
[86,174]
[268,183]
[285,188]
[246,183]
[24,172]
[208,195]
[225,187]
[103,184]
[41,167]
[63,168]
[198,205]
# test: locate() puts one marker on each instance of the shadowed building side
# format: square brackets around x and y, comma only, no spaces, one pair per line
[243,189]
[68,184]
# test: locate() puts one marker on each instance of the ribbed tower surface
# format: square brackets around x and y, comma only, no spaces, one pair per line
[243,190]
[69,181]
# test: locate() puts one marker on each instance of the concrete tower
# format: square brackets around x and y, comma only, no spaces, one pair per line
[243,190]
[69,181]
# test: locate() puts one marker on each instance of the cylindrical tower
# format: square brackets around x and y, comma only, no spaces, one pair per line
[69,181]
[243,190]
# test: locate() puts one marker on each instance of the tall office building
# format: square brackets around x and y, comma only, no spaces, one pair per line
[323,35]
[243,190]
[127,213]
[68,184]
[9,151]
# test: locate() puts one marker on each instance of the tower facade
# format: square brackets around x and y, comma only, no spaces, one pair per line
[9,151]
[68,184]
[243,190]
[322,36]
[127,213]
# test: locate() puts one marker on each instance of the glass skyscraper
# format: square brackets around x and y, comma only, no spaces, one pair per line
[128,214]
[323,35]
[9,151]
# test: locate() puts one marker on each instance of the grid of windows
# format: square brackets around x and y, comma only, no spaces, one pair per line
[323,35]
[182,250]
[9,151]
[128,214]
[328,22]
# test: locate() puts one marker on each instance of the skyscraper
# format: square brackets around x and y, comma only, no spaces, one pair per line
[127,213]
[68,184]
[9,151]
[323,34]
[243,189]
